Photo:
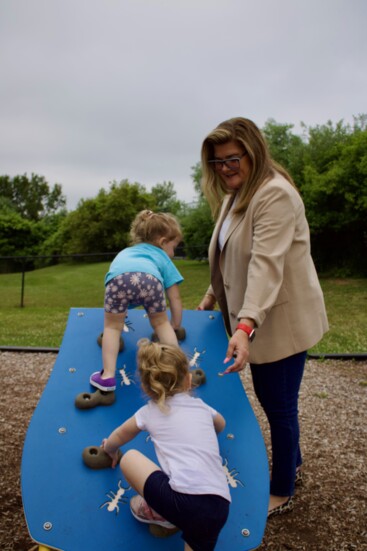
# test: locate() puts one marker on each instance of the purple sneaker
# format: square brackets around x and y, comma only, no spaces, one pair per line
[103,384]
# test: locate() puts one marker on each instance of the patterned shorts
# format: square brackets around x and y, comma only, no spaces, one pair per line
[134,289]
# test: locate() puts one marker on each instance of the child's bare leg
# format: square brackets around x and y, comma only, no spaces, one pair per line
[164,330]
[113,325]
[187,547]
[136,468]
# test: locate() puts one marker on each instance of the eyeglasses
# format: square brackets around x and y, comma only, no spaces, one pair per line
[233,163]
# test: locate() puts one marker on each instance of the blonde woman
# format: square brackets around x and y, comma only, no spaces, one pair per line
[141,275]
[265,283]
[188,489]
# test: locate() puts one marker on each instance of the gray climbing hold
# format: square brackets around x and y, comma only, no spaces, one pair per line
[121,346]
[89,400]
[198,377]
[95,457]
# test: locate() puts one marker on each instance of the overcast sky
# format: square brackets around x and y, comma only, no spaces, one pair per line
[98,90]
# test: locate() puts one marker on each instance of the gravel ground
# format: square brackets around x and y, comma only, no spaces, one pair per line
[330,508]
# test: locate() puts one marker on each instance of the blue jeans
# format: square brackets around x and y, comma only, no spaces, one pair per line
[277,386]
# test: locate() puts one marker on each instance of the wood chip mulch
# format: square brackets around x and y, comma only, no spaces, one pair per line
[330,512]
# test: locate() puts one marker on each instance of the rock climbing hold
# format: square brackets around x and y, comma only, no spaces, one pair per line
[88,400]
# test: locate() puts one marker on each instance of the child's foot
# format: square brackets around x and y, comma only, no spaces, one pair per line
[97,381]
[143,513]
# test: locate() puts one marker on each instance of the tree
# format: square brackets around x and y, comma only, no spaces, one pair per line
[32,197]
[335,196]
[102,224]
[166,198]
[17,235]
[197,227]
[19,238]
[324,143]
[196,176]
[197,221]
[286,148]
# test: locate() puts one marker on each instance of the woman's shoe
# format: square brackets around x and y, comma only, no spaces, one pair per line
[286,507]
[299,477]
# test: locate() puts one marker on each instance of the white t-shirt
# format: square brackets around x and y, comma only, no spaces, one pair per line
[186,444]
[226,224]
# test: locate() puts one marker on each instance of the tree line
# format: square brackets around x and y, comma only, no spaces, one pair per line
[327,162]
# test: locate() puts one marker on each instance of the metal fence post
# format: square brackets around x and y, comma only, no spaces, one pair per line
[22,291]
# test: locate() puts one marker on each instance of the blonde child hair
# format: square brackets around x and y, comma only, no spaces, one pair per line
[163,370]
[149,227]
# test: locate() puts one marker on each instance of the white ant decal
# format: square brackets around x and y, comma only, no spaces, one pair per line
[126,378]
[231,476]
[128,326]
[196,358]
[116,499]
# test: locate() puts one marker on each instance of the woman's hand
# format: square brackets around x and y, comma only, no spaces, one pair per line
[238,348]
[207,303]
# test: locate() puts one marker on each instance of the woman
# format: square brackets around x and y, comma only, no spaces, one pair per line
[265,283]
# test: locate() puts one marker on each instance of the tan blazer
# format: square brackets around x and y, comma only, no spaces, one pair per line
[265,272]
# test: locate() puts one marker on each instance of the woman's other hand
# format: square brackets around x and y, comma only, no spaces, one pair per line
[207,303]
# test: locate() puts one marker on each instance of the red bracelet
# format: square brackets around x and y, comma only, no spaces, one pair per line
[247,329]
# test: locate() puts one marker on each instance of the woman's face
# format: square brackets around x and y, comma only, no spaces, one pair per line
[236,174]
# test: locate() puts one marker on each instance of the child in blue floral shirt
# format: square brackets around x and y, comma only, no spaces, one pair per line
[141,275]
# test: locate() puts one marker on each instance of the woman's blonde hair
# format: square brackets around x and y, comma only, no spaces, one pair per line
[249,137]
[149,227]
[163,370]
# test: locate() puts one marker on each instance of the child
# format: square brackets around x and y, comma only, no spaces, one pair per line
[189,490]
[139,276]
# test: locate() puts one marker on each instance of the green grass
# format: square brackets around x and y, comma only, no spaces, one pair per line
[51,292]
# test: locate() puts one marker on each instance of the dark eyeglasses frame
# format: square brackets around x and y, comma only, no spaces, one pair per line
[219,163]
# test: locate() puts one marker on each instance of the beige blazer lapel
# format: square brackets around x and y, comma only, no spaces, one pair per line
[213,246]
[235,221]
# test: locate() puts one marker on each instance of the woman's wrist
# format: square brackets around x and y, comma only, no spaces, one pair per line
[247,326]
[248,321]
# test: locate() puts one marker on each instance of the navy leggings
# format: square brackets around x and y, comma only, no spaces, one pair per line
[277,386]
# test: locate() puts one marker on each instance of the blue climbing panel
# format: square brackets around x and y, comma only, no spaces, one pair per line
[71,507]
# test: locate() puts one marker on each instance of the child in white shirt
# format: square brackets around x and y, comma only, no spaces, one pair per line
[188,489]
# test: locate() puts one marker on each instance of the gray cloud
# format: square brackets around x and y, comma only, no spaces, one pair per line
[93,91]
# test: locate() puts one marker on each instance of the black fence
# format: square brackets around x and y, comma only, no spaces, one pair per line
[24,264]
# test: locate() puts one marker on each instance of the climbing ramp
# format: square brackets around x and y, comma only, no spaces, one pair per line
[71,507]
